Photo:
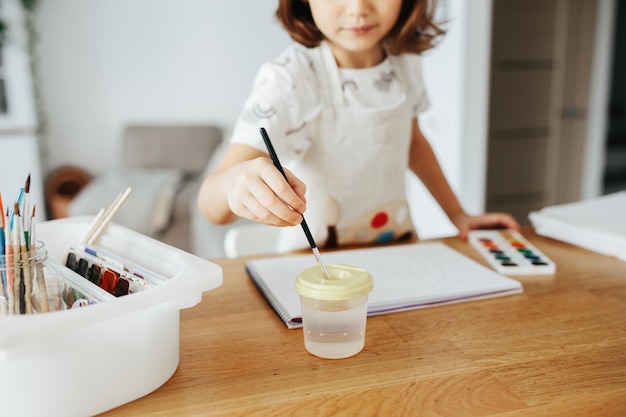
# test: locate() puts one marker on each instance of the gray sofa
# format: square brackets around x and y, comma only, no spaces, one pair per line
[164,165]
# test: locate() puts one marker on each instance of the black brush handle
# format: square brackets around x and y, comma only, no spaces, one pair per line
[274,157]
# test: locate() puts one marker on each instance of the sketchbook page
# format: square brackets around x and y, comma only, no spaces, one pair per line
[405,277]
[596,224]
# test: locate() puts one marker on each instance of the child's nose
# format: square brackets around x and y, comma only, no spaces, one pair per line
[357,8]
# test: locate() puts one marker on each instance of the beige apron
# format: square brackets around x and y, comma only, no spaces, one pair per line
[355,167]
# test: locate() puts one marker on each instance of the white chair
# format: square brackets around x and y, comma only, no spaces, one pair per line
[251,239]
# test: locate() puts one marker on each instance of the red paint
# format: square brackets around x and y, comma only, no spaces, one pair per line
[379,220]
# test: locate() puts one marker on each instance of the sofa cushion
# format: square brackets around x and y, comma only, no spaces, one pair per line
[182,147]
[150,206]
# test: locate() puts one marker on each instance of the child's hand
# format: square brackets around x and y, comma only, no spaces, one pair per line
[465,222]
[257,191]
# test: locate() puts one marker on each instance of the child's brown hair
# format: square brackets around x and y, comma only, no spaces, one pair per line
[415,31]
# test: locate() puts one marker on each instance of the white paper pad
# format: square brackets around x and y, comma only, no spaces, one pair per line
[597,224]
[406,277]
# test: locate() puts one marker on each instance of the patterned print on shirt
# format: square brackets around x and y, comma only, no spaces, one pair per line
[349,84]
[262,113]
[295,129]
[252,115]
[383,83]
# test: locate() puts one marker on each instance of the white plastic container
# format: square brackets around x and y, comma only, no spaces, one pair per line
[82,362]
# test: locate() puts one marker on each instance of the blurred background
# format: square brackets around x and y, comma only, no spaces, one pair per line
[527,109]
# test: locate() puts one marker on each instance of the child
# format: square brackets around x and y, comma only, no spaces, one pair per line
[340,106]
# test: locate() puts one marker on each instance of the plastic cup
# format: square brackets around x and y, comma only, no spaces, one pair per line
[334,311]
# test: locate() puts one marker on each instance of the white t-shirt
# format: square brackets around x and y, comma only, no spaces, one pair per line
[285,98]
[345,133]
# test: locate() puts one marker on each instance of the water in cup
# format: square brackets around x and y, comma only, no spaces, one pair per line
[334,312]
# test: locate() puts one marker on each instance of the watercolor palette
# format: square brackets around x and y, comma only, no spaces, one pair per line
[509,253]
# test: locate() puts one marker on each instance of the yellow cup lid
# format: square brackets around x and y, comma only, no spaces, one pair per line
[348,282]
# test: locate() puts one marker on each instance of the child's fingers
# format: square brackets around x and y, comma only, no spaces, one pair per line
[287,190]
[273,215]
[273,202]
[261,193]
[252,209]
[494,220]
[256,201]
[504,220]
[297,186]
[486,221]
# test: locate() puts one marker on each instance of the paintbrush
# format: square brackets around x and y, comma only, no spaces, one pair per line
[1,226]
[305,227]
[41,281]
[26,211]
[103,218]
[17,276]
[18,200]
[26,271]
[26,283]
[9,264]
[3,277]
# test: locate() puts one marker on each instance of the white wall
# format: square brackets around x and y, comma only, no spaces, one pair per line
[106,63]
[19,150]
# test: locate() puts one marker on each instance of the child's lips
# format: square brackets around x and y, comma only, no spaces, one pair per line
[360,30]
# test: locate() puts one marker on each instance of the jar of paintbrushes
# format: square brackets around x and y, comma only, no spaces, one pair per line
[23,289]
[28,283]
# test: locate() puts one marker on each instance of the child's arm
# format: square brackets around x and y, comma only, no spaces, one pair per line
[247,184]
[424,164]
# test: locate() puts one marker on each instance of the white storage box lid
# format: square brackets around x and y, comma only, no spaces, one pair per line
[85,361]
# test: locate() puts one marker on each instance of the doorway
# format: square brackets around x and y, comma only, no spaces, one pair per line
[540,76]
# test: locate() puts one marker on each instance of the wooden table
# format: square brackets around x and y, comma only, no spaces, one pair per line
[558,349]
